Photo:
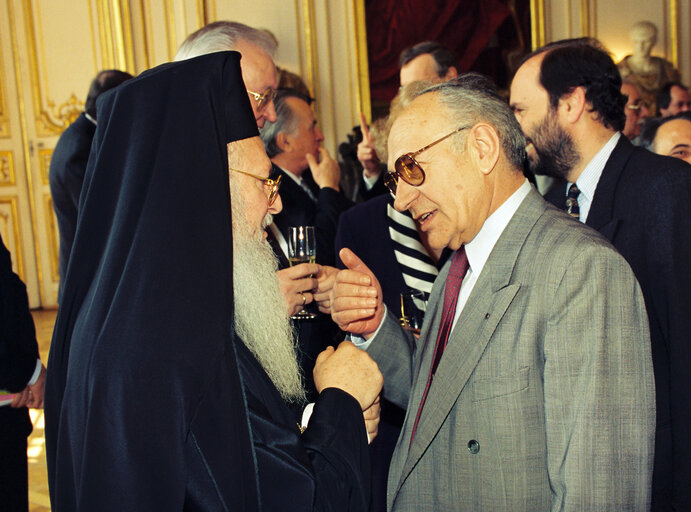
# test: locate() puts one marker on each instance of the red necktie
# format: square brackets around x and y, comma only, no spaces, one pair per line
[457,271]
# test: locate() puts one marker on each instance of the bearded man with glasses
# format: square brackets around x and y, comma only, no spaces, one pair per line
[531,386]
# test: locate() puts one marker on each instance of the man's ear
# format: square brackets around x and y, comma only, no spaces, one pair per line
[483,143]
[283,142]
[452,72]
[572,105]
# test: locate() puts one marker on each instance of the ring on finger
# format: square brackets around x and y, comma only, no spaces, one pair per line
[304,299]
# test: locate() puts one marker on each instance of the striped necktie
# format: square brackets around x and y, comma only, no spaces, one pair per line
[572,202]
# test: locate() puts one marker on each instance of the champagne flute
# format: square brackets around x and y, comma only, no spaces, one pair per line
[413,306]
[302,248]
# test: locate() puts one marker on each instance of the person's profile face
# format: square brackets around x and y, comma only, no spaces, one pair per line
[259,74]
[636,111]
[306,136]
[248,155]
[680,101]
[450,205]
[422,67]
[530,103]
[674,139]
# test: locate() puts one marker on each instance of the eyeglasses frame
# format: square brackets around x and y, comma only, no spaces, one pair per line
[263,99]
[268,182]
[391,178]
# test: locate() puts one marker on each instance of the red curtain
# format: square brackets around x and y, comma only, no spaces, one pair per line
[464,26]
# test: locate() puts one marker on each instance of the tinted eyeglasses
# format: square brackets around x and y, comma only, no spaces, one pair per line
[408,169]
[271,185]
[264,98]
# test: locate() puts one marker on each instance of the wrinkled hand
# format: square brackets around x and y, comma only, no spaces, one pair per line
[326,172]
[366,153]
[350,369]
[31,396]
[371,415]
[297,282]
[325,281]
[356,297]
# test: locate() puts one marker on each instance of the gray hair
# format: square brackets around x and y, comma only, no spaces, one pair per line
[471,98]
[222,36]
[286,120]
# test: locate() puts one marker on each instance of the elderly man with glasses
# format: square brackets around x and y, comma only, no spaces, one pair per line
[531,386]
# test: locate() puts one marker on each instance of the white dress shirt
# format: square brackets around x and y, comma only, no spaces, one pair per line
[587,181]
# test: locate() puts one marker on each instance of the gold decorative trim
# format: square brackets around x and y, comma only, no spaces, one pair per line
[310,47]
[53,238]
[17,253]
[4,116]
[364,99]
[7,169]
[121,17]
[674,32]
[44,156]
[169,13]
[585,17]
[146,32]
[27,156]
[537,25]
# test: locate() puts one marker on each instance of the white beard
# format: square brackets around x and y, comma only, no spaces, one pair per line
[261,320]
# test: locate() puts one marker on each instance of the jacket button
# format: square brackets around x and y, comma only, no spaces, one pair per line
[473,446]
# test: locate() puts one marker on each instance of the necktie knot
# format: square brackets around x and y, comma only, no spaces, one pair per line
[572,201]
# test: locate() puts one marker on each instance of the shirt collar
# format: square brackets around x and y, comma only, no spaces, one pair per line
[90,118]
[296,179]
[480,247]
[587,181]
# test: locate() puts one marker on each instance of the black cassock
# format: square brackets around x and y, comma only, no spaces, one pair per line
[146,407]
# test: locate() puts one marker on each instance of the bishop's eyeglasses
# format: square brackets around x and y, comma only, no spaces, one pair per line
[271,185]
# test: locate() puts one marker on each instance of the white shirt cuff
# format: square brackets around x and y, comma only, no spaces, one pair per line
[306,415]
[361,342]
[36,374]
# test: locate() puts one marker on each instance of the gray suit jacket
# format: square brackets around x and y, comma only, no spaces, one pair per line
[544,398]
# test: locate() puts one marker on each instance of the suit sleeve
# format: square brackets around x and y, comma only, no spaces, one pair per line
[598,387]
[18,347]
[667,257]
[394,351]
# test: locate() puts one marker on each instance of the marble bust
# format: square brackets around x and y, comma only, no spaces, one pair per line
[646,72]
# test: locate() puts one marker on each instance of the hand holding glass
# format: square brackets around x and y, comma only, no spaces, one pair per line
[302,248]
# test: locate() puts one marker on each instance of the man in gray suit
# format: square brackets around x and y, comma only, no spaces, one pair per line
[542,395]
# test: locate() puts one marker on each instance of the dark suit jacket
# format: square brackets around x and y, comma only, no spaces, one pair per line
[300,210]
[642,204]
[365,230]
[67,167]
[18,355]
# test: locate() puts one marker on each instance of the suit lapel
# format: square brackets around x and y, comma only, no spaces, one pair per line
[491,296]
[601,215]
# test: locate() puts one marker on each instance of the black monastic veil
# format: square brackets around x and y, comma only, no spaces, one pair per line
[143,379]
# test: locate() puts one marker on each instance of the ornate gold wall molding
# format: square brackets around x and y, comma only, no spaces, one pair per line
[311,73]
[537,23]
[674,32]
[44,156]
[53,238]
[7,169]
[9,225]
[4,115]
[362,61]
